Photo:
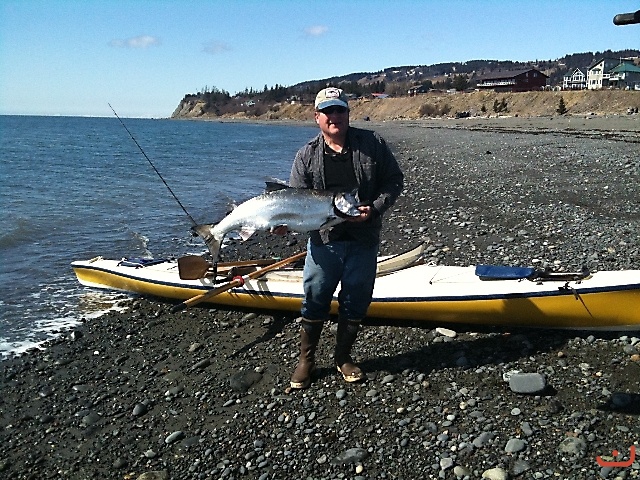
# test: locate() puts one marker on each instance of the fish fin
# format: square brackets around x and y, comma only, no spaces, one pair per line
[231,206]
[246,232]
[203,231]
[275,186]
[213,244]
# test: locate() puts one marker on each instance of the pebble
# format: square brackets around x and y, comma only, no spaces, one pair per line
[483,439]
[91,418]
[572,446]
[244,380]
[174,437]
[460,471]
[519,467]
[154,475]
[351,455]
[388,379]
[47,419]
[202,364]
[526,429]
[140,409]
[446,463]
[446,332]
[495,474]
[515,445]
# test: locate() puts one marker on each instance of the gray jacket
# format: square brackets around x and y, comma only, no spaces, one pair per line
[380,180]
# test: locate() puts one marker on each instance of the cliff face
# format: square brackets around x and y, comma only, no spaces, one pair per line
[534,104]
[189,109]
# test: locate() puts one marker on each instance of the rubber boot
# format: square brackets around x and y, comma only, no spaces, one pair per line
[309,338]
[346,337]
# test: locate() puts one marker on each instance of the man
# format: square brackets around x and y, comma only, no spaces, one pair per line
[342,158]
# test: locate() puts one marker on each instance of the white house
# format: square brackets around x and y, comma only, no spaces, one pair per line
[575,80]
[598,73]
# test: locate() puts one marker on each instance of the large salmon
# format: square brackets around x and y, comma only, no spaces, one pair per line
[301,210]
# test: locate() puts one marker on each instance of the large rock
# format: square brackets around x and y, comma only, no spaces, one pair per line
[527,383]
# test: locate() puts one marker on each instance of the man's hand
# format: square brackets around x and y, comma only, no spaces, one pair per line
[365,213]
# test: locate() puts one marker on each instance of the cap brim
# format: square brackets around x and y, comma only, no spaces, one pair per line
[331,103]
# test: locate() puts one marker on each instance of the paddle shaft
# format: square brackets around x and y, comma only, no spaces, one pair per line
[235,283]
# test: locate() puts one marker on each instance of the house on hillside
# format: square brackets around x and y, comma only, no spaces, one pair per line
[575,80]
[598,73]
[625,75]
[513,81]
[415,90]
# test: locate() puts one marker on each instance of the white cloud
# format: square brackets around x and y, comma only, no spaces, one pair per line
[215,48]
[141,41]
[316,30]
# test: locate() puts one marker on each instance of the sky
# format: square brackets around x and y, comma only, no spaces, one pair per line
[76,57]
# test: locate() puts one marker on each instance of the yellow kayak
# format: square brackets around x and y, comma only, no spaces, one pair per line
[409,289]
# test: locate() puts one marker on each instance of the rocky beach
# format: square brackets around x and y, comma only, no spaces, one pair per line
[147,394]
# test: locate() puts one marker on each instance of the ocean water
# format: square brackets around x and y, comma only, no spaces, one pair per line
[74,188]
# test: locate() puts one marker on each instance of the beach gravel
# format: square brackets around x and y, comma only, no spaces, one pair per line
[148,394]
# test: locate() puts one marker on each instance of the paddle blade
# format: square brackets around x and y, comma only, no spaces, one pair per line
[192,267]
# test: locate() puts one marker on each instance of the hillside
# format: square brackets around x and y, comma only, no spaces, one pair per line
[473,69]
[397,81]
[585,102]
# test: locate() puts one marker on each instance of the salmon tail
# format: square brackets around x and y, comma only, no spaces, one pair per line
[213,244]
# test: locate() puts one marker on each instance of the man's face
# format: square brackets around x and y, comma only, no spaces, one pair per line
[333,121]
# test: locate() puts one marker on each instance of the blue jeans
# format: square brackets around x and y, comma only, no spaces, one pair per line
[351,264]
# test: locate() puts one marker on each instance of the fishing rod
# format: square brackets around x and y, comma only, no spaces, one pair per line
[195,224]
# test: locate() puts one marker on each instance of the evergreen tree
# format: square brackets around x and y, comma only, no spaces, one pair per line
[460,82]
[562,108]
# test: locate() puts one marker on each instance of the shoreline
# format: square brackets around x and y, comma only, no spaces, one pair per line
[626,126]
[145,393]
[436,105]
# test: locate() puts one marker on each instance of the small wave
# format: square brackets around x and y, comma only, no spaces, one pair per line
[10,349]
[90,305]
[144,244]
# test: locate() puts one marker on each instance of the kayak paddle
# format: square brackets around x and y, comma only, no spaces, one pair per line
[236,282]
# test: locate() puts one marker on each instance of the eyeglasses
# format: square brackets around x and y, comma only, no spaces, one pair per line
[334,109]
